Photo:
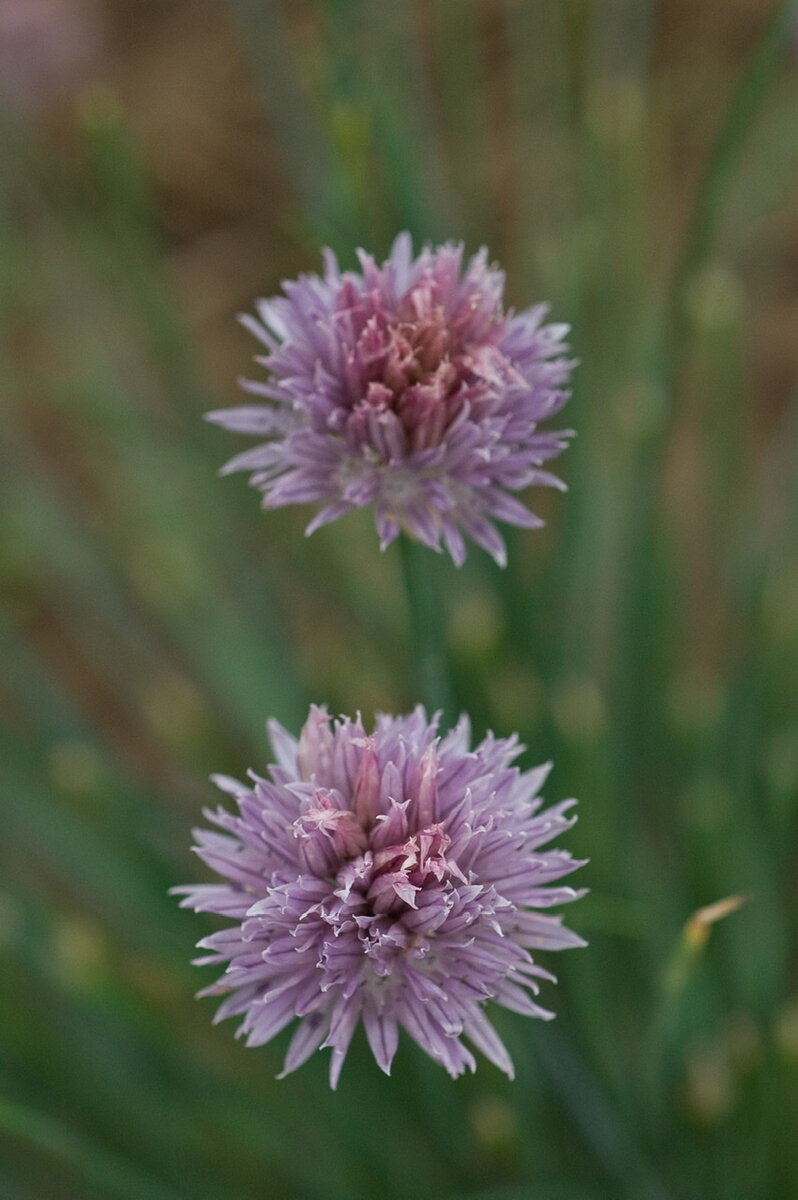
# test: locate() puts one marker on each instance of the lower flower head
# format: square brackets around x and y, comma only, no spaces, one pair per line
[392,878]
[407,386]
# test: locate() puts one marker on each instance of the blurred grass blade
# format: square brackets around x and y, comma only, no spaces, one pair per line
[708,207]
[115,1176]
[599,1124]
[298,130]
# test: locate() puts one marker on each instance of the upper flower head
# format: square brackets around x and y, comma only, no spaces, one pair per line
[408,386]
[392,878]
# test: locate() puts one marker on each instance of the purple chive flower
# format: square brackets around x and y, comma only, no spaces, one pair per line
[393,878]
[406,386]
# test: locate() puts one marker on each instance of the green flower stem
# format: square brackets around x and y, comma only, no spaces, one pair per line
[427,628]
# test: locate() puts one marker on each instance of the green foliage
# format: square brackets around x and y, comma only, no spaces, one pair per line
[152,618]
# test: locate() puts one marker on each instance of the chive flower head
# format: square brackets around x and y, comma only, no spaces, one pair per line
[407,386]
[394,879]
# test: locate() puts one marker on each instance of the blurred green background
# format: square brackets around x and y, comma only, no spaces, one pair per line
[636,163]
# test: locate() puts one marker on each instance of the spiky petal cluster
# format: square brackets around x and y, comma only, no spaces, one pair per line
[405,385]
[394,878]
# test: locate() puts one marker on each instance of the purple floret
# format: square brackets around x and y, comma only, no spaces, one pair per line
[408,387]
[395,879]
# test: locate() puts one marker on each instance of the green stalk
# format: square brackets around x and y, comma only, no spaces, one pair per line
[724,158]
[427,628]
[116,1176]
[595,1117]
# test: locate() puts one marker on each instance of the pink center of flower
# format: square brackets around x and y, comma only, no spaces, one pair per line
[408,373]
[399,873]
[328,835]
[388,880]
[381,856]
